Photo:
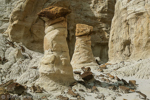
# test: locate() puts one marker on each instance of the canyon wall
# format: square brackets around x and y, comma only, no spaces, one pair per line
[130,31]
[26,27]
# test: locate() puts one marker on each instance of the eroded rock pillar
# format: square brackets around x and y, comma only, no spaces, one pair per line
[83,55]
[55,68]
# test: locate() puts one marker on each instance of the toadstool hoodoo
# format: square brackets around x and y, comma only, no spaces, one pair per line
[55,68]
[83,55]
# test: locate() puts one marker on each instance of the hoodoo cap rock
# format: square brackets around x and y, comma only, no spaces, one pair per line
[54,12]
[83,29]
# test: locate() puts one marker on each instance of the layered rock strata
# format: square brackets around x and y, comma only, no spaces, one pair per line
[55,68]
[83,55]
[130,31]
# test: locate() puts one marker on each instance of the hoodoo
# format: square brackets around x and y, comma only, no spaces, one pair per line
[55,68]
[83,55]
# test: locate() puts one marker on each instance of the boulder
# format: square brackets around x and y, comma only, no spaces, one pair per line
[87,76]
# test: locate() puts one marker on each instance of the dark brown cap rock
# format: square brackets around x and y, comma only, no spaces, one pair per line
[54,12]
[83,29]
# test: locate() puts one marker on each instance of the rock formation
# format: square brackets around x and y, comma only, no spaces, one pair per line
[83,55]
[25,70]
[25,26]
[15,63]
[130,31]
[97,13]
[55,68]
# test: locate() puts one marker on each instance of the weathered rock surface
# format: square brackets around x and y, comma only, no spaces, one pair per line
[83,55]
[18,65]
[6,7]
[25,72]
[139,69]
[25,26]
[55,68]
[130,31]
[31,29]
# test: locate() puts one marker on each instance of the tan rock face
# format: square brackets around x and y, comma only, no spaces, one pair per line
[25,26]
[130,31]
[83,55]
[55,68]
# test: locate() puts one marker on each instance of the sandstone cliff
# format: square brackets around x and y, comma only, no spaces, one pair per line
[31,28]
[130,31]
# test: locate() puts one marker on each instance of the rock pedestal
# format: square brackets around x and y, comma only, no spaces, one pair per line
[83,55]
[55,68]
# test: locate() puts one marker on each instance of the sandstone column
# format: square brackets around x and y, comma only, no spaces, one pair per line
[55,68]
[83,55]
